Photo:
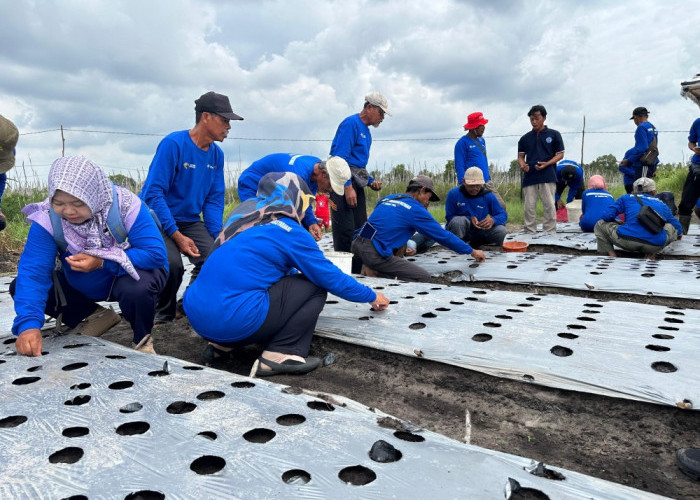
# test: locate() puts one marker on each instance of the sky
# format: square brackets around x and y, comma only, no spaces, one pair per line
[119,75]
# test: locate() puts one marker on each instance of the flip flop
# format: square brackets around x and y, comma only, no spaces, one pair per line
[288,367]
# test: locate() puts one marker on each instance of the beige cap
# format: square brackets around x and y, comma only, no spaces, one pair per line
[377,99]
[338,172]
[8,140]
[474,176]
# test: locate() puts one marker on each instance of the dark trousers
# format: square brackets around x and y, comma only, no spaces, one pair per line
[691,193]
[561,186]
[345,220]
[137,300]
[387,267]
[198,232]
[295,304]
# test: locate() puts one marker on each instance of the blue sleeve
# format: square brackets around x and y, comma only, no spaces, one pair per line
[213,207]
[668,217]
[450,205]
[147,249]
[309,259]
[343,141]
[583,202]
[460,161]
[610,213]
[627,169]
[34,279]
[500,216]
[641,144]
[428,226]
[309,217]
[160,176]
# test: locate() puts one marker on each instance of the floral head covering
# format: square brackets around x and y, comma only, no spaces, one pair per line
[80,177]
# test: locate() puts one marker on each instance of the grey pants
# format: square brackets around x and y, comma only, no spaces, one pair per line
[387,267]
[607,237]
[461,227]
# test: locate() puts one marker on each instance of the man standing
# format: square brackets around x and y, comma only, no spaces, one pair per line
[393,221]
[691,188]
[352,142]
[569,173]
[319,176]
[538,153]
[473,214]
[633,235]
[645,136]
[186,180]
[470,151]
[8,140]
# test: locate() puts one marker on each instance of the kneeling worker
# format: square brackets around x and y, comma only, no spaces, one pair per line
[393,221]
[473,213]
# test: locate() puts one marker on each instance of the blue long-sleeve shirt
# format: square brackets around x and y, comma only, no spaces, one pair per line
[593,203]
[229,299]
[469,154]
[185,181]
[459,202]
[643,136]
[694,137]
[352,142]
[632,228]
[38,260]
[573,184]
[396,217]
[302,165]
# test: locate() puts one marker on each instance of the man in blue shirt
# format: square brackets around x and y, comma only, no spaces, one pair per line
[631,165]
[470,151]
[538,153]
[393,221]
[473,213]
[633,236]
[319,176]
[352,142]
[185,188]
[569,173]
[691,188]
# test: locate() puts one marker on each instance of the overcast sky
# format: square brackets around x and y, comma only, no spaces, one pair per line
[295,69]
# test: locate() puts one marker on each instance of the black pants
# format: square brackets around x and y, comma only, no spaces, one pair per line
[691,193]
[561,186]
[137,300]
[198,232]
[295,304]
[345,220]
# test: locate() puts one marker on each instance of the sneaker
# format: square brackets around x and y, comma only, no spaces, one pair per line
[689,462]
[146,345]
[99,322]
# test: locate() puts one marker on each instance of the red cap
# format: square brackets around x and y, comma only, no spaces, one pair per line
[474,120]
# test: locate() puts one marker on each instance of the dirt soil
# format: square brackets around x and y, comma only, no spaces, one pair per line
[628,442]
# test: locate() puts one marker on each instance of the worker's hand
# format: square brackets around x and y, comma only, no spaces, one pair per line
[184,244]
[350,196]
[696,150]
[474,222]
[524,167]
[376,185]
[29,342]
[410,252]
[625,162]
[84,263]
[316,232]
[478,255]
[541,165]
[380,303]
[560,204]
[486,223]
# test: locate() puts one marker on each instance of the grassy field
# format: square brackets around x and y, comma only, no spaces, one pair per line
[20,193]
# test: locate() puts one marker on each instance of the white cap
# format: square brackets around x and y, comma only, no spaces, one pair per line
[644,185]
[338,172]
[377,99]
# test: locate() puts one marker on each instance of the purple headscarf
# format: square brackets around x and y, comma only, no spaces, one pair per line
[79,177]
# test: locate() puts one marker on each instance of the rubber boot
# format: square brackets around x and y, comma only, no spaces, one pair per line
[685,222]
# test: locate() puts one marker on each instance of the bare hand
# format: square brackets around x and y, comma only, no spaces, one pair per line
[541,165]
[478,255]
[184,244]
[351,196]
[29,342]
[624,162]
[474,221]
[380,303]
[376,185]
[525,167]
[84,263]
[316,232]
[560,204]
[487,223]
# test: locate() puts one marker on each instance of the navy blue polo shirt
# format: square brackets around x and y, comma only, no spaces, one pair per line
[540,146]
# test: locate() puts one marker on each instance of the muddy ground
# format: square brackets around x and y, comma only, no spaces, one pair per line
[627,442]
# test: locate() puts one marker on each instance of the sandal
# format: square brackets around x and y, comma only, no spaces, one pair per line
[288,367]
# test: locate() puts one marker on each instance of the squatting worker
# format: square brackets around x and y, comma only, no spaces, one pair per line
[320,176]
[94,265]
[538,153]
[245,293]
[352,142]
[185,188]
[393,221]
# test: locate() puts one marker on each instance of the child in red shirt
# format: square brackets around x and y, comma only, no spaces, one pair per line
[323,213]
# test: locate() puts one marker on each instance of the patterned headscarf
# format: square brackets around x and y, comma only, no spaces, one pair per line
[79,177]
[280,194]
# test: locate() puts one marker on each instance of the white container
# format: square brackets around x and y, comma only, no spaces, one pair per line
[343,260]
[573,210]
